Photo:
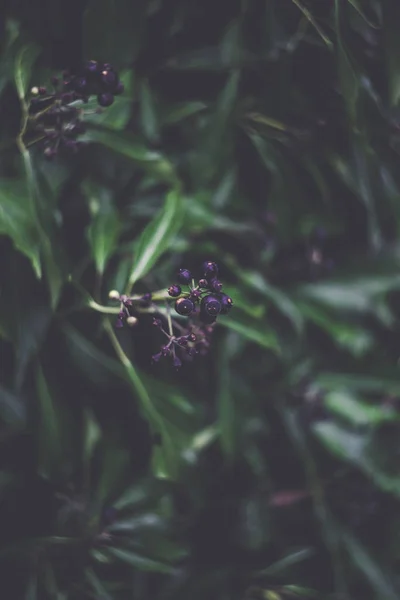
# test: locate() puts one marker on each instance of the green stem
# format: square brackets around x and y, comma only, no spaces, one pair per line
[155,419]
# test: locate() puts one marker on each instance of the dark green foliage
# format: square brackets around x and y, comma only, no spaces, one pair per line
[264,136]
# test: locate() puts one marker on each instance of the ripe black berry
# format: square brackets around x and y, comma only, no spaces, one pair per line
[105,99]
[215,285]
[174,291]
[226,303]
[184,306]
[210,305]
[203,283]
[184,276]
[92,66]
[109,79]
[210,269]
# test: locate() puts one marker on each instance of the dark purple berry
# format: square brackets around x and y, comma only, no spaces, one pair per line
[42,91]
[215,285]
[184,276]
[226,303]
[210,306]
[119,89]
[192,337]
[165,350]
[184,306]
[203,283]
[92,66]
[174,290]
[210,270]
[109,78]
[105,99]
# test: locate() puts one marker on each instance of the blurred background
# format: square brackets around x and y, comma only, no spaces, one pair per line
[265,136]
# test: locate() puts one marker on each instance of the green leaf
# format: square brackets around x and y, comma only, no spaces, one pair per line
[355,447]
[12,409]
[288,561]
[24,62]
[253,331]
[157,237]
[48,429]
[96,585]
[18,222]
[349,78]
[103,232]
[139,562]
[391,17]
[357,412]
[381,581]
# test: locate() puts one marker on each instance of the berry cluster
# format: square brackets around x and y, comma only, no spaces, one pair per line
[205,297]
[55,116]
[96,78]
[201,303]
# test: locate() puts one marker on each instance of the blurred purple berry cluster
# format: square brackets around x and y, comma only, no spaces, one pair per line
[55,115]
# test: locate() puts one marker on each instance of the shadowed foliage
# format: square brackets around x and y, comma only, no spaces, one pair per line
[263,135]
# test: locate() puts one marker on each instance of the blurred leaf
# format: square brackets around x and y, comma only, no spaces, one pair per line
[12,409]
[96,585]
[103,232]
[24,62]
[227,417]
[48,432]
[354,338]
[148,109]
[357,412]
[354,447]
[157,237]
[281,301]
[391,16]
[253,330]
[285,563]
[127,145]
[139,562]
[348,76]
[308,15]
[113,30]
[18,222]
[380,580]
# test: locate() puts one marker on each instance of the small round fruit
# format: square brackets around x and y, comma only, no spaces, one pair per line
[210,269]
[184,276]
[114,295]
[226,303]
[131,321]
[184,306]
[174,290]
[105,99]
[92,66]
[109,79]
[215,285]
[210,305]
